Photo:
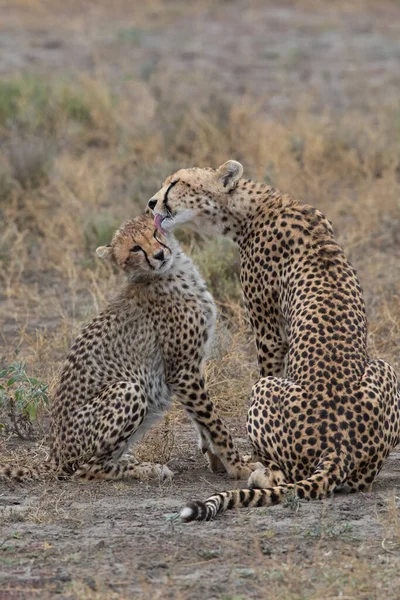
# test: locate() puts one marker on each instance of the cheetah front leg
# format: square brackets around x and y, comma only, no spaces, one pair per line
[215,440]
[271,358]
[214,462]
[271,343]
[110,470]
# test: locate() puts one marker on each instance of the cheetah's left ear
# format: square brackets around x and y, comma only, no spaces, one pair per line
[229,174]
[104,252]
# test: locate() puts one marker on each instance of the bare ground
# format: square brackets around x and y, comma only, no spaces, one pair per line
[122,540]
[80,540]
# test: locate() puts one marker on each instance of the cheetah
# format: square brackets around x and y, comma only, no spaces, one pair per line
[323,415]
[124,368]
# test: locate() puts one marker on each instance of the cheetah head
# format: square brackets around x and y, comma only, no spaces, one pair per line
[139,249]
[195,196]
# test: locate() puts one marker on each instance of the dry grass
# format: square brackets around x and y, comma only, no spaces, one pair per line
[74,165]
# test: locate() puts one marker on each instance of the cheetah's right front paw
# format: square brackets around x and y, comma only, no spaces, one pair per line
[215,464]
[259,479]
[147,471]
[243,471]
[165,474]
[266,478]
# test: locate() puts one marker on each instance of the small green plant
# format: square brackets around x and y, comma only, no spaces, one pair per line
[209,554]
[218,261]
[132,35]
[21,398]
[329,530]
[172,519]
[266,548]
[30,158]
[99,230]
[245,572]
[6,183]
[269,175]
[292,500]
[25,103]
[9,96]
[75,105]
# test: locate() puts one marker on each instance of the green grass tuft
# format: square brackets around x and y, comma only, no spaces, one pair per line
[22,398]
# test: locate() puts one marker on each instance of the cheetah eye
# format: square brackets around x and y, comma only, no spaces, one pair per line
[135,249]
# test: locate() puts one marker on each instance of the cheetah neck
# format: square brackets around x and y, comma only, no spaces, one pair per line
[248,200]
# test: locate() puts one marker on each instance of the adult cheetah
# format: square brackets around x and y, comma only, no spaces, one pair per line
[323,414]
[124,368]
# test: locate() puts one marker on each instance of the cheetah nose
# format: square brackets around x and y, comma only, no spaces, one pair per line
[151,203]
[159,255]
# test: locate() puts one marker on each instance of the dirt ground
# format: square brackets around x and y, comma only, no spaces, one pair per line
[123,540]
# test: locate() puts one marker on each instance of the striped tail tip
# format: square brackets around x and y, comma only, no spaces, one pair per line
[198,511]
[194,511]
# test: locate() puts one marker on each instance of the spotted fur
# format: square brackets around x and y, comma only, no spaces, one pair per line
[324,414]
[124,368]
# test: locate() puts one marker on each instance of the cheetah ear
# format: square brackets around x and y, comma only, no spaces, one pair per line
[104,252]
[229,174]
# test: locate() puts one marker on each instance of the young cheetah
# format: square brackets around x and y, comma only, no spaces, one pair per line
[124,368]
[324,414]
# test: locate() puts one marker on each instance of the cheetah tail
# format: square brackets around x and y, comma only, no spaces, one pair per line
[317,486]
[17,473]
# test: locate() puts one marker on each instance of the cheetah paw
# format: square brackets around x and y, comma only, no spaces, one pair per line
[255,466]
[165,474]
[248,458]
[215,464]
[243,471]
[259,479]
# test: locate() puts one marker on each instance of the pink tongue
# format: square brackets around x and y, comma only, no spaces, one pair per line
[158,219]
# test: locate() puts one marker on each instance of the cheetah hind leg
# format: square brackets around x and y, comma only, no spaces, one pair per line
[265,404]
[110,470]
[113,421]
[381,402]
[381,388]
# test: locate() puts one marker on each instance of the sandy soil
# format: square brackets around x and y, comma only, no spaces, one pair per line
[69,539]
